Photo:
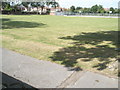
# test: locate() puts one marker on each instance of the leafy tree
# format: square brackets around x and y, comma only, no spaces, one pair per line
[25,4]
[42,4]
[103,11]
[37,5]
[4,4]
[72,8]
[7,7]
[116,10]
[78,8]
[48,4]
[94,8]
[86,10]
[53,3]
[100,9]
[15,8]
[112,9]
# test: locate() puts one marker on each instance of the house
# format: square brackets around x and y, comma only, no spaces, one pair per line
[54,10]
[106,9]
[40,10]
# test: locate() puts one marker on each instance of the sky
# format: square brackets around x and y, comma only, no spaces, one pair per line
[88,3]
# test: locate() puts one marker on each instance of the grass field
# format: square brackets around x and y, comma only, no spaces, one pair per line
[85,42]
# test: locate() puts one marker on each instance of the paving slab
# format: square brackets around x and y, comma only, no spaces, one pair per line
[37,73]
[94,80]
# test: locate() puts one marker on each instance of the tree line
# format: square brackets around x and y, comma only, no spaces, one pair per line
[12,7]
[15,7]
[94,9]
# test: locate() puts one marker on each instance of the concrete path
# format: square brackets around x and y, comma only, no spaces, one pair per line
[36,73]
[94,80]
[44,74]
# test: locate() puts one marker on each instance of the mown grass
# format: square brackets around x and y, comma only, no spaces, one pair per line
[72,41]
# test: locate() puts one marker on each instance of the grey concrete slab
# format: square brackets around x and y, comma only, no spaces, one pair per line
[94,80]
[37,73]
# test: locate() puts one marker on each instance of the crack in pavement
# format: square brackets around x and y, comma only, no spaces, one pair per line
[72,78]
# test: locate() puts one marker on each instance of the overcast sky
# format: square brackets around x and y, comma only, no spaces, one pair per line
[88,3]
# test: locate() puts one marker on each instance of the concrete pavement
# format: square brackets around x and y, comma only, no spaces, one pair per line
[44,74]
[36,73]
[94,80]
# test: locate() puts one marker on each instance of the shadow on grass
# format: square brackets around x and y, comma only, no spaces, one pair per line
[87,47]
[9,24]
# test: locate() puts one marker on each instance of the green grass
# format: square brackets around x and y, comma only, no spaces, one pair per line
[72,41]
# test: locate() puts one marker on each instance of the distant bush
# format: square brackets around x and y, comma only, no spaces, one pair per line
[6,12]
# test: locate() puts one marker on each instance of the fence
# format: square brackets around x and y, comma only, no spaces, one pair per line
[85,14]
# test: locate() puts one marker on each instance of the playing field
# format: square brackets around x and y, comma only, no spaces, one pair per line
[86,42]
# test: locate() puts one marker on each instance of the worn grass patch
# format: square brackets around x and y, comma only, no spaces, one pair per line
[85,42]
